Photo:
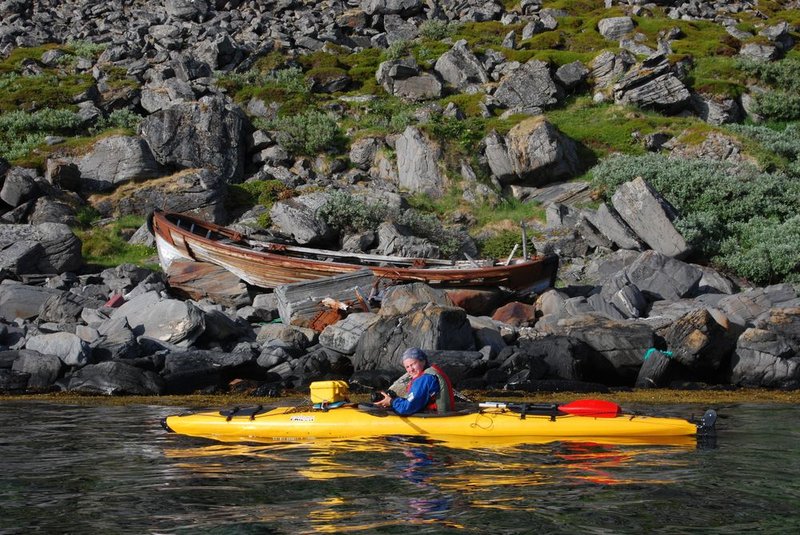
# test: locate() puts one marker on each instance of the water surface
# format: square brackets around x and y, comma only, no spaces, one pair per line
[111,469]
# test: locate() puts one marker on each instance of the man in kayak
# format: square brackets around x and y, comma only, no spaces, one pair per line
[424,387]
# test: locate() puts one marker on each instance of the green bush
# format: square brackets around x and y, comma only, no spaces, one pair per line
[783,103]
[347,213]
[124,119]
[428,226]
[716,202]
[397,50]
[263,192]
[21,132]
[764,250]
[500,245]
[307,133]
[437,30]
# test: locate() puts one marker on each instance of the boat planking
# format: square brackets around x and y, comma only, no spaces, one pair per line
[269,264]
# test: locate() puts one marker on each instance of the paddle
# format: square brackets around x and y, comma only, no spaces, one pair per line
[596,408]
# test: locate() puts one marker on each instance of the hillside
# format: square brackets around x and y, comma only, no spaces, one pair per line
[452,118]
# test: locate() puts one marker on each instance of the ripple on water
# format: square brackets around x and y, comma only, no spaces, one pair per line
[81,469]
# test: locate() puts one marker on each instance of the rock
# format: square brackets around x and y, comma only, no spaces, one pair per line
[68,347]
[701,344]
[759,51]
[566,358]
[207,134]
[187,10]
[616,346]
[716,111]
[160,95]
[364,150]
[660,277]
[460,68]
[498,159]
[745,308]
[615,28]
[168,320]
[21,301]
[115,160]
[198,192]
[572,75]
[113,379]
[529,86]
[13,382]
[194,370]
[540,153]
[42,370]
[391,7]
[654,370]
[418,163]
[613,227]
[397,241]
[343,336]
[115,341]
[428,327]
[608,67]
[19,187]
[652,85]
[298,217]
[650,216]
[516,314]
[66,307]
[405,297]
[765,359]
[475,301]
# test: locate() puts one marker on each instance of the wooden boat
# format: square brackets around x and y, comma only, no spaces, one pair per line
[269,264]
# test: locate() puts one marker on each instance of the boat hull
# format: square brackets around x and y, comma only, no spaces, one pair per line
[181,237]
[286,423]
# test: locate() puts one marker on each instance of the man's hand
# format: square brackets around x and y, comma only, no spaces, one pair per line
[386,402]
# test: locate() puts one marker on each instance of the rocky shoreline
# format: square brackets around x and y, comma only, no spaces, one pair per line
[634,309]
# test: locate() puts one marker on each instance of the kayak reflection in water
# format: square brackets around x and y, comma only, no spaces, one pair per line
[424,387]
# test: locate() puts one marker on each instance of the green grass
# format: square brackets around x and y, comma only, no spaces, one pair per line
[104,245]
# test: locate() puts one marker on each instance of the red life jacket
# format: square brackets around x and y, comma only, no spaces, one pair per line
[445,400]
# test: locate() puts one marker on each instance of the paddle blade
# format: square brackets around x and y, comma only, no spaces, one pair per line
[597,408]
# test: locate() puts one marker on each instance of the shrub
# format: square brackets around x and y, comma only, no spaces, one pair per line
[501,244]
[86,49]
[21,132]
[784,76]
[307,133]
[347,213]
[124,119]
[397,50]
[437,30]
[428,226]
[764,250]
[263,192]
[717,201]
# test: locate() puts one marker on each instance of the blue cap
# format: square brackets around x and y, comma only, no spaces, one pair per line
[414,353]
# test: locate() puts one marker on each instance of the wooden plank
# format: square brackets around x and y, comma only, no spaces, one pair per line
[345,254]
[300,302]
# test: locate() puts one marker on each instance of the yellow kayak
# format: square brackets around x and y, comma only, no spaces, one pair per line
[491,421]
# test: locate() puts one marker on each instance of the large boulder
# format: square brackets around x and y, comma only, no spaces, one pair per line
[701,344]
[660,277]
[167,320]
[115,160]
[650,216]
[460,68]
[199,192]
[765,359]
[540,153]
[418,163]
[208,134]
[529,87]
[43,370]
[428,327]
[298,217]
[113,378]
[652,85]
[187,372]
[68,347]
[22,301]
[343,336]
[49,248]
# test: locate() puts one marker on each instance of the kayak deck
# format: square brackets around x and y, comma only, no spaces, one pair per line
[354,421]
